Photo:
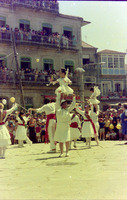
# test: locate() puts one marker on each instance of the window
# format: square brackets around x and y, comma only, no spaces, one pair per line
[106,87]
[2,21]
[25,63]
[89,79]
[85,61]
[67,31]
[110,62]
[121,62]
[116,64]
[48,64]
[47,28]
[104,59]
[69,65]
[24,24]
[117,87]
[28,102]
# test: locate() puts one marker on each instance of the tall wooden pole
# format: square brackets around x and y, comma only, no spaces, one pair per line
[17,66]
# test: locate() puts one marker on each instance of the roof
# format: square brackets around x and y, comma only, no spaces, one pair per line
[83,22]
[106,51]
[86,45]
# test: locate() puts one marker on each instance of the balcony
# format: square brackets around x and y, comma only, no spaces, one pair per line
[10,77]
[46,5]
[54,40]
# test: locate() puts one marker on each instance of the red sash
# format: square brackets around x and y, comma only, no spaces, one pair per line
[50,116]
[21,124]
[74,125]
[2,123]
[90,120]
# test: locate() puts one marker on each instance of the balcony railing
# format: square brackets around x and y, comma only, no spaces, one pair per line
[28,79]
[28,38]
[38,4]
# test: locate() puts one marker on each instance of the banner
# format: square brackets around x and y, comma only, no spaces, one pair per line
[68,97]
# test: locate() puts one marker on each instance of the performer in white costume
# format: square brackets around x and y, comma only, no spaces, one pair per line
[21,131]
[88,128]
[4,134]
[64,81]
[75,127]
[93,98]
[49,109]
[62,134]
[94,117]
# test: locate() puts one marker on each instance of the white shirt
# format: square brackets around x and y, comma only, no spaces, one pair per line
[48,109]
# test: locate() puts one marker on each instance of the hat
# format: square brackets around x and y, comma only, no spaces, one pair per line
[62,101]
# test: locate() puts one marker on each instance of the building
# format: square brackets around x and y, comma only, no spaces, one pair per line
[90,65]
[112,76]
[45,40]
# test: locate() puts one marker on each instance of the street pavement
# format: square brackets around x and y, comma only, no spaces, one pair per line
[99,173]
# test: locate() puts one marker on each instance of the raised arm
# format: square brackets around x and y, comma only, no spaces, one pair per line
[57,104]
[67,80]
[81,112]
[12,109]
[72,106]
[38,110]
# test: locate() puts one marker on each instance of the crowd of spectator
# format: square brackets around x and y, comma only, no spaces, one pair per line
[109,121]
[29,75]
[35,127]
[41,36]
[110,124]
[45,4]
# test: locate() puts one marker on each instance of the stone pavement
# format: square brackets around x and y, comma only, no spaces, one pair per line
[99,173]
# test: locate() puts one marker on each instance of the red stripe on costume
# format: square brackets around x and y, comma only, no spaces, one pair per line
[21,124]
[74,125]
[50,116]
[90,120]
[2,123]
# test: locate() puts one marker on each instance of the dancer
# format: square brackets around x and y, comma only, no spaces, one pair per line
[49,109]
[94,116]
[75,128]
[21,131]
[4,134]
[64,81]
[93,100]
[88,128]
[62,134]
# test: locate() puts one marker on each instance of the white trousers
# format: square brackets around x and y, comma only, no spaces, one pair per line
[51,132]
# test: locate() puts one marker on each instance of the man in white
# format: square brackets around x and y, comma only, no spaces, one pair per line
[62,134]
[49,109]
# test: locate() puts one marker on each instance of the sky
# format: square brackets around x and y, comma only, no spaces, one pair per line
[108,27]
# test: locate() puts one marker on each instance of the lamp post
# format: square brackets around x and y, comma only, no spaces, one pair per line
[81,82]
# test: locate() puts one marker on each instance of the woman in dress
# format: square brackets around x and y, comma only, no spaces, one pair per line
[62,134]
[75,128]
[88,128]
[4,133]
[21,132]
[94,116]
[93,98]
[64,81]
